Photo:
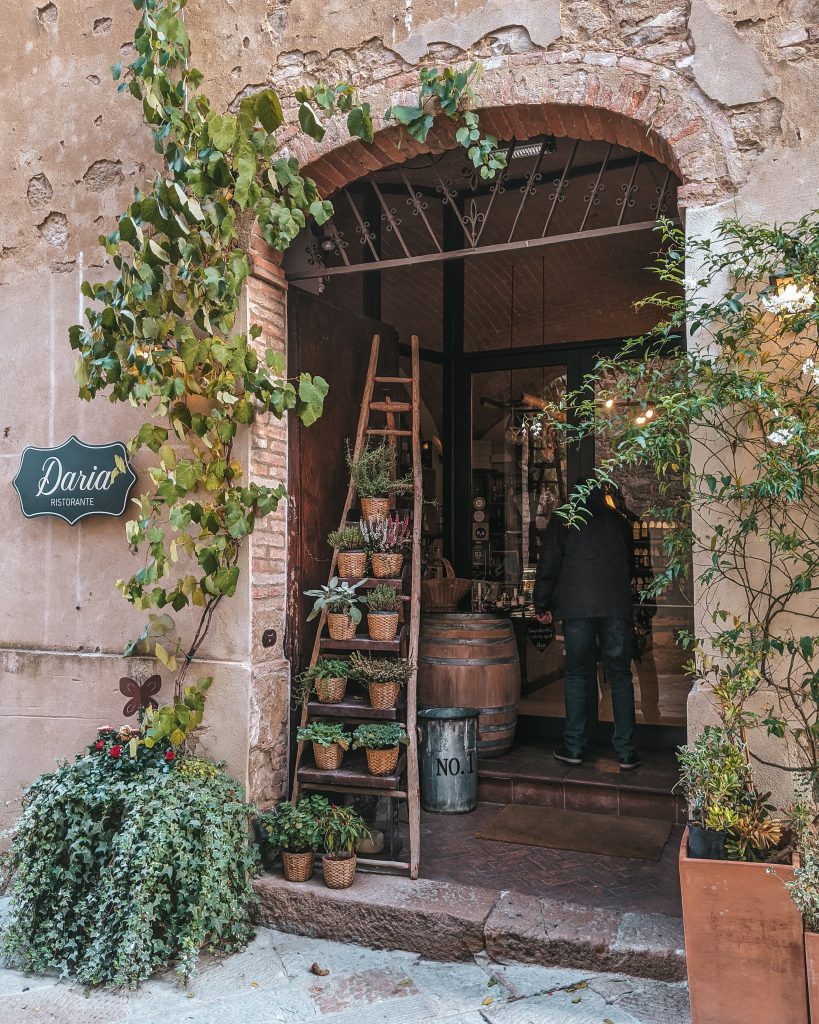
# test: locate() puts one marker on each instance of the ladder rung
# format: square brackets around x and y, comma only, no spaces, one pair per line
[391,406]
[391,433]
[393,380]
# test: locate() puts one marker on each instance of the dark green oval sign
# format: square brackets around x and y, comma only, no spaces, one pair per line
[75,480]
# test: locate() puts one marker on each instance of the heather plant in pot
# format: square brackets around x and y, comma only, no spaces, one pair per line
[386,538]
[373,476]
[383,677]
[342,830]
[383,605]
[340,601]
[348,541]
[381,743]
[296,833]
[328,678]
[330,741]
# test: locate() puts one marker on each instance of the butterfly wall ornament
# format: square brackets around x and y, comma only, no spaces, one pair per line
[140,695]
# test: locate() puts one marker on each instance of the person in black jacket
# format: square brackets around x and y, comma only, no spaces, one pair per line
[584,578]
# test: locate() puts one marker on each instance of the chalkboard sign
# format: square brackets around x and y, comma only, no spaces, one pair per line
[74,480]
[540,634]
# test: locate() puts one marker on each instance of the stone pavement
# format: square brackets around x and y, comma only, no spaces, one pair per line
[271,982]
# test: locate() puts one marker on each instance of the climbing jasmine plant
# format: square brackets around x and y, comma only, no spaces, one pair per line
[165,334]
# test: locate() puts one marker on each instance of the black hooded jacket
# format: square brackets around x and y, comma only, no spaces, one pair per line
[585,572]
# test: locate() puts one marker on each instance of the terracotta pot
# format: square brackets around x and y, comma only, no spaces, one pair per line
[331,691]
[743,942]
[384,695]
[339,872]
[382,625]
[298,867]
[812,965]
[352,564]
[328,758]
[340,627]
[386,565]
[381,762]
[375,508]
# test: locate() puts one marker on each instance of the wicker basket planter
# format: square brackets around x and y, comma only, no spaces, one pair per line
[375,508]
[382,762]
[443,594]
[384,695]
[386,565]
[331,691]
[340,627]
[339,872]
[352,564]
[328,758]
[382,625]
[298,867]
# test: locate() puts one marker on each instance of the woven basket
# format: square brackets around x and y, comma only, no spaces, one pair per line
[340,627]
[328,758]
[352,564]
[381,762]
[375,508]
[384,695]
[385,565]
[339,872]
[298,867]
[382,625]
[331,691]
[442,594]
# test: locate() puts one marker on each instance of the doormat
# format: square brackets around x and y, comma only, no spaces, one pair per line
[609,835]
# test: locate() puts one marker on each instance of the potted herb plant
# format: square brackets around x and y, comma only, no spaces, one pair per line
[342,830]
[383,677]
[380,741]
[386,538]
[341,603]
[383,603]
[373,476]
[328,677]
[349,542]
[329,740]
[296,833]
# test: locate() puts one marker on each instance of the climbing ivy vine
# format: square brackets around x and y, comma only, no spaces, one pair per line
[164,336]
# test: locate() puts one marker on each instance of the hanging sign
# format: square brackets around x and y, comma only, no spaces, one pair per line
[540,634]
[74,480]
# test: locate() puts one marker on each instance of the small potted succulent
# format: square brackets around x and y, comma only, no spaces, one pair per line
[383,603]
[383,677]
[328,677]
[340,600]
[352,558]
[386,538]
[296,833]
[329,740]
[380,741]
[342,830]
[373,476]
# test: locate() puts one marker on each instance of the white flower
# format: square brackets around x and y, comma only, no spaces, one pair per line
[781,436]
[809,366]
[791,300]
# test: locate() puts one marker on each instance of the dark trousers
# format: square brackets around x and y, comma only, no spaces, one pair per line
[582,637]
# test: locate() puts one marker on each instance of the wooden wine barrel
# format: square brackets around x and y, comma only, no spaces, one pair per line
[472,661]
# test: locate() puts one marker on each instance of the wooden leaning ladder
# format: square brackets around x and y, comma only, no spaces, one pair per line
[404,784]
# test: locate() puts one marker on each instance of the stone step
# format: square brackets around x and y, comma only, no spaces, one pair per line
[452,922]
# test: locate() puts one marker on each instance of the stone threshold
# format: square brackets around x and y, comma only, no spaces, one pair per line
[451,922]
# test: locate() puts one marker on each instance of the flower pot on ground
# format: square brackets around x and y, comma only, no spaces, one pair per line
[386,538]
[383,677]
[380,742]
[296,831]
[340,601]
[373,475]
[342,829]
[348,541]
[383,604]
[329,740]
[327,678]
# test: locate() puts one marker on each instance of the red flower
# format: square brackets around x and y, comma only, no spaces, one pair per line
[170,755]
[115,751]
[99,745]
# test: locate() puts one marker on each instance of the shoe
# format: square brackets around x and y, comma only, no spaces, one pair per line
[628,764]
[564,755]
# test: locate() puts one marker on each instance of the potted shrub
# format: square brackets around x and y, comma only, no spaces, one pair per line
[383,603]
[296,833]
[804,890]
[386,538]
[328,678]
[383,677]
[342,830]
[380,741]
[340,600]
[349,542]
[373,476]
[329,743]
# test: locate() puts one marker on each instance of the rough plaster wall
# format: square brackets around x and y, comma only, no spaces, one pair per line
[74,149]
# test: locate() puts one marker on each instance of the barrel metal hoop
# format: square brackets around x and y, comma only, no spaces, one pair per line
[499,709]
[427,660]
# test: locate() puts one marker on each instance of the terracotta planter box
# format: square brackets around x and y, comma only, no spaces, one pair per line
[812,966]
[744,942]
